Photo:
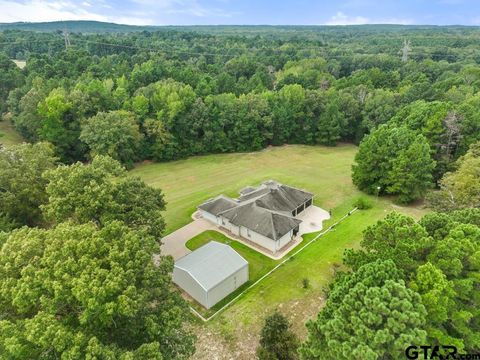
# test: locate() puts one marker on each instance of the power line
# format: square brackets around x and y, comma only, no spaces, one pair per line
[67,40]
[330,56]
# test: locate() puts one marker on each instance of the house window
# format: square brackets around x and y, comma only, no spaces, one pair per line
[223,221]
[248,232]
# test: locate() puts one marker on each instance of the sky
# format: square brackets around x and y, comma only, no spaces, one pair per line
[246,12]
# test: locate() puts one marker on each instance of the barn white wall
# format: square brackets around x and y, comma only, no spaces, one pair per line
[183,279]
[227,286]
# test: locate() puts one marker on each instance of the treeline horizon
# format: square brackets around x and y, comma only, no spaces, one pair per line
[167,95]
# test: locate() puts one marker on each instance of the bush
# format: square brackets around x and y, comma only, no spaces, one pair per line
[277,340]
[363,203]
[305,283]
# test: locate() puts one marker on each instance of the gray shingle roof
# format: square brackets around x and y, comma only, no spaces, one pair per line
[254,193]
[276,196]
[211,264]
[265,209]
[217,205]
[267,223]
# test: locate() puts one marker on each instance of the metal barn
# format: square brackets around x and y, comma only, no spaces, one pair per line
[210,273]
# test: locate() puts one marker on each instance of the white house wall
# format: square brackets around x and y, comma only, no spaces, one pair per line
[251,235]
[227,286]
[258,239]
[210,217]
[285,239]
[183,279]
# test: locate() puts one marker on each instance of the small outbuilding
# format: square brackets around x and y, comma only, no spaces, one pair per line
[210,273]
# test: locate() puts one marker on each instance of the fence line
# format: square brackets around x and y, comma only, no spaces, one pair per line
[320,234]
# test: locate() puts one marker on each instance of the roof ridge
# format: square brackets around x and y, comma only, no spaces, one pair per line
[274,233]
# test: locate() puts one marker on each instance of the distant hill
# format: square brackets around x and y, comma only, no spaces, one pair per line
[87,26]
[74,26]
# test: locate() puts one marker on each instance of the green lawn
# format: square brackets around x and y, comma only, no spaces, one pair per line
[325,171]
[8,135]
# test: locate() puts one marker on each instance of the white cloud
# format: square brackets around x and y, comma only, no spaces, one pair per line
[187,7]
[139,12]
[36,10]
[55,10]
[341,18]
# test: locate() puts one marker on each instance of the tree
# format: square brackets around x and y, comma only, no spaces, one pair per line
[470,123]
[438,297]
[79,292]
[329,124]
[398,238]
[459,189]
[431,120]
[26,117]
[369,314]
[10,78]
[277,341]
[438,258]
[60,125]
[101,192]
[380,106]
[22,187]
[411,174]
[394,160]
[288,111]
[115,134]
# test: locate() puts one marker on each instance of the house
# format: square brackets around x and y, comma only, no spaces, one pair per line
[210,273]
[265,215]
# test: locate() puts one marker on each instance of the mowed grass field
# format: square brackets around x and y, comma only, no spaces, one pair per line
[8,135]
[325,171]
[187,183]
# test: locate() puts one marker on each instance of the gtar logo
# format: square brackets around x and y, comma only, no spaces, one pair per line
[431,352]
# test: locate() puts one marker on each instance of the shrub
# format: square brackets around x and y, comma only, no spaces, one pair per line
[363,203]
[305,283]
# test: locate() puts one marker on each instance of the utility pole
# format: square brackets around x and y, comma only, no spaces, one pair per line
[406,50]
[66,37]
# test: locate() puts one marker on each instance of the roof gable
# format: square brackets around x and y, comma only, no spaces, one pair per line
[216,205]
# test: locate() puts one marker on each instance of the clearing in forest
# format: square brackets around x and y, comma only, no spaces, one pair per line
[325,171]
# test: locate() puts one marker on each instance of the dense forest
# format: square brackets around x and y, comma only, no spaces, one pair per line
[173,93]
[91,105]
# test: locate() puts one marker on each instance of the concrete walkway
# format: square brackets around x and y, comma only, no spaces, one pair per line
[174,243]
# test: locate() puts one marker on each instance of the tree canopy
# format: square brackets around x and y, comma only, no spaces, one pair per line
[394,160]
[81,292]
[22,187]
[240,89]
[459,189]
